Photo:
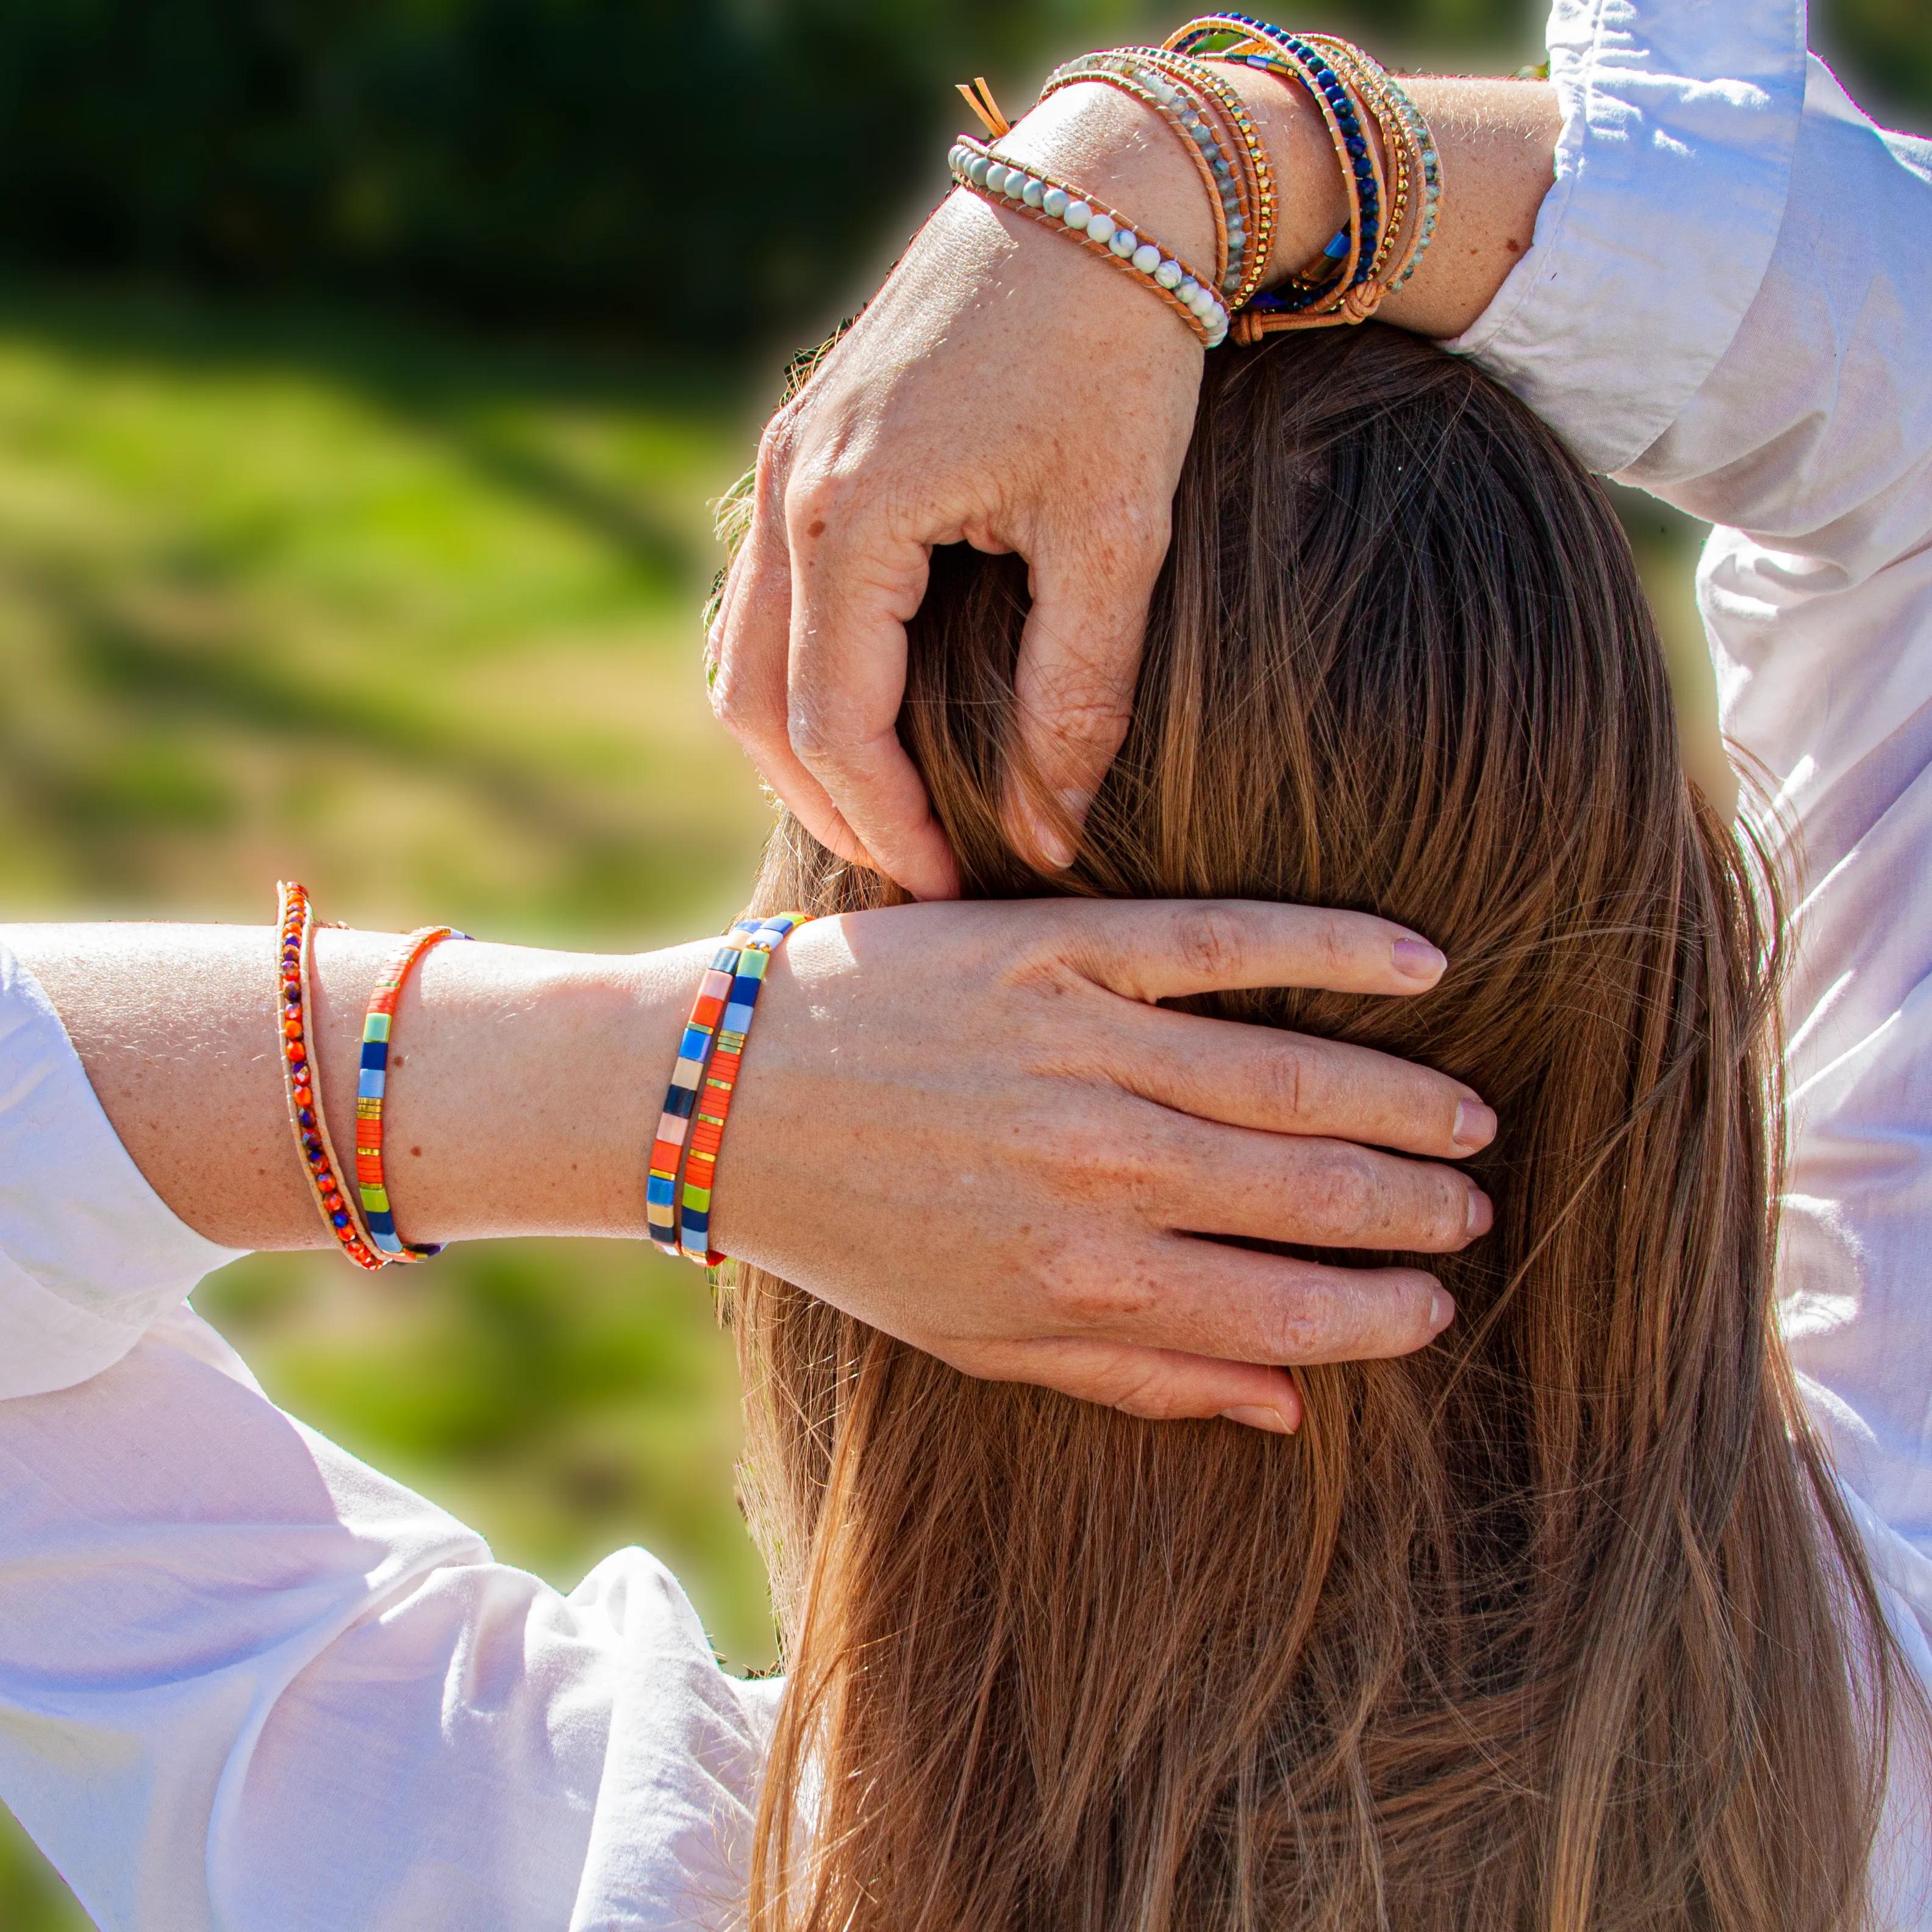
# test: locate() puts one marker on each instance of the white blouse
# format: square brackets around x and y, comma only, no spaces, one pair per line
[247,1683]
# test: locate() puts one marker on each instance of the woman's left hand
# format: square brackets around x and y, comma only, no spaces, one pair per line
[969,1125]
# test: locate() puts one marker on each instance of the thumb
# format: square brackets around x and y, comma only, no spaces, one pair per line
[1080,655]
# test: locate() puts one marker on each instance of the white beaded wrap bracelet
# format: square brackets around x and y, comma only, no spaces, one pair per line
[1057,204]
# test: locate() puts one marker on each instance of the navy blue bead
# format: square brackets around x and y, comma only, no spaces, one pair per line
[340,1217]
[1356,145]
[307,1118]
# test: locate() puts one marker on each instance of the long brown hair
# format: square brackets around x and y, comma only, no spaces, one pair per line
[1559,1624]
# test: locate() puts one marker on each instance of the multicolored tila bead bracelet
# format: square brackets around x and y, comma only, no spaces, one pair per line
[295,943]
[371,1088]
[721,1080]
[1033,192]
[666,1168]
[717,1002]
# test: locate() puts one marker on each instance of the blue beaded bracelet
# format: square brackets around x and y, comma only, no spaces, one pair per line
[1347,262]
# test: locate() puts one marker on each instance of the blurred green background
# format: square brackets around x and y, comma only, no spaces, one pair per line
[366,367]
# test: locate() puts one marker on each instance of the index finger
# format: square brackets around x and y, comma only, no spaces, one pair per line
[1164,949]
[855,585]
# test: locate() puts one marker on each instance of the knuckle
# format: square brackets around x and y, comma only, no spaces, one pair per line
[818,501]
[818,733]
[1108,1166]
[1333,946]
[774,449]
[1451,1216]
[1211,941]
[1134,533]
[732,705]
[1343,1194]
[1147,1394]
[1288,1083]
[1301,1327]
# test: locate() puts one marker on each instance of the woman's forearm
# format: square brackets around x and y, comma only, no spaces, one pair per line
[1497,139]
[523,1083]
[970,1125]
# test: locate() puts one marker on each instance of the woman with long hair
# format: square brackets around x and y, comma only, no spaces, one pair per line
[1558,1623]
[1574,1573]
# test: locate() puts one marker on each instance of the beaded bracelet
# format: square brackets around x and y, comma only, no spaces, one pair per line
[1031,191]
[721,1079]
[687,1076]
[301,1087]
[1335,286]
[1414,135]
[371,1085]
[1220,139]
[1256,173]
[1198,135]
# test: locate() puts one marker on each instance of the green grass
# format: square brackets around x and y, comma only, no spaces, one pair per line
[416,622]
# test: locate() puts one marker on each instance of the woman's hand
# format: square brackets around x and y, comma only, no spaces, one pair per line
[1007,390]
[969,1125]
[1004,390]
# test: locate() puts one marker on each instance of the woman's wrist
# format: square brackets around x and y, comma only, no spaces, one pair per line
[1497,139]
[523,1084]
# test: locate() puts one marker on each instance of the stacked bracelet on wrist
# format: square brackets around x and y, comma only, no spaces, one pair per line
[1388,228]
[1391,175]
[372,1091]
[368,1238]
[1220,140]
[684,1151]
[302,1085]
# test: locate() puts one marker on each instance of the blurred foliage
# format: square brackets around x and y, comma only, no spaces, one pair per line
[663,168]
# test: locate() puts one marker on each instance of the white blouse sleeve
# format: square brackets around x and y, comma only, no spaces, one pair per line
[90,1256]
[247,1682]
[1729,302]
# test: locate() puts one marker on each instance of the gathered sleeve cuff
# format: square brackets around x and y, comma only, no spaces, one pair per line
[91,1256]
[1679,125]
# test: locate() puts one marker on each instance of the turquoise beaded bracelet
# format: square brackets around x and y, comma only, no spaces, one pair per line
[1032,192]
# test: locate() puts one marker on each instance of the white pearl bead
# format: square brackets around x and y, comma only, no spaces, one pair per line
[1124,241]
[1146,258]
[1077,216]
[1100,225]
[980,172]
[1034,193]
[995,178]
[1187,288]
[1056,201]
[1168,274]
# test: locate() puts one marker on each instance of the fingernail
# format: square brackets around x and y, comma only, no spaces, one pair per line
[1475,1125]
[1419,960]
[1441,1312]
[1252,1416]
[1051,844]
[1482,1215]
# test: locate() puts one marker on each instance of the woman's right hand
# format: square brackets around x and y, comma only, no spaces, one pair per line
[1005,390]
[969,1125]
